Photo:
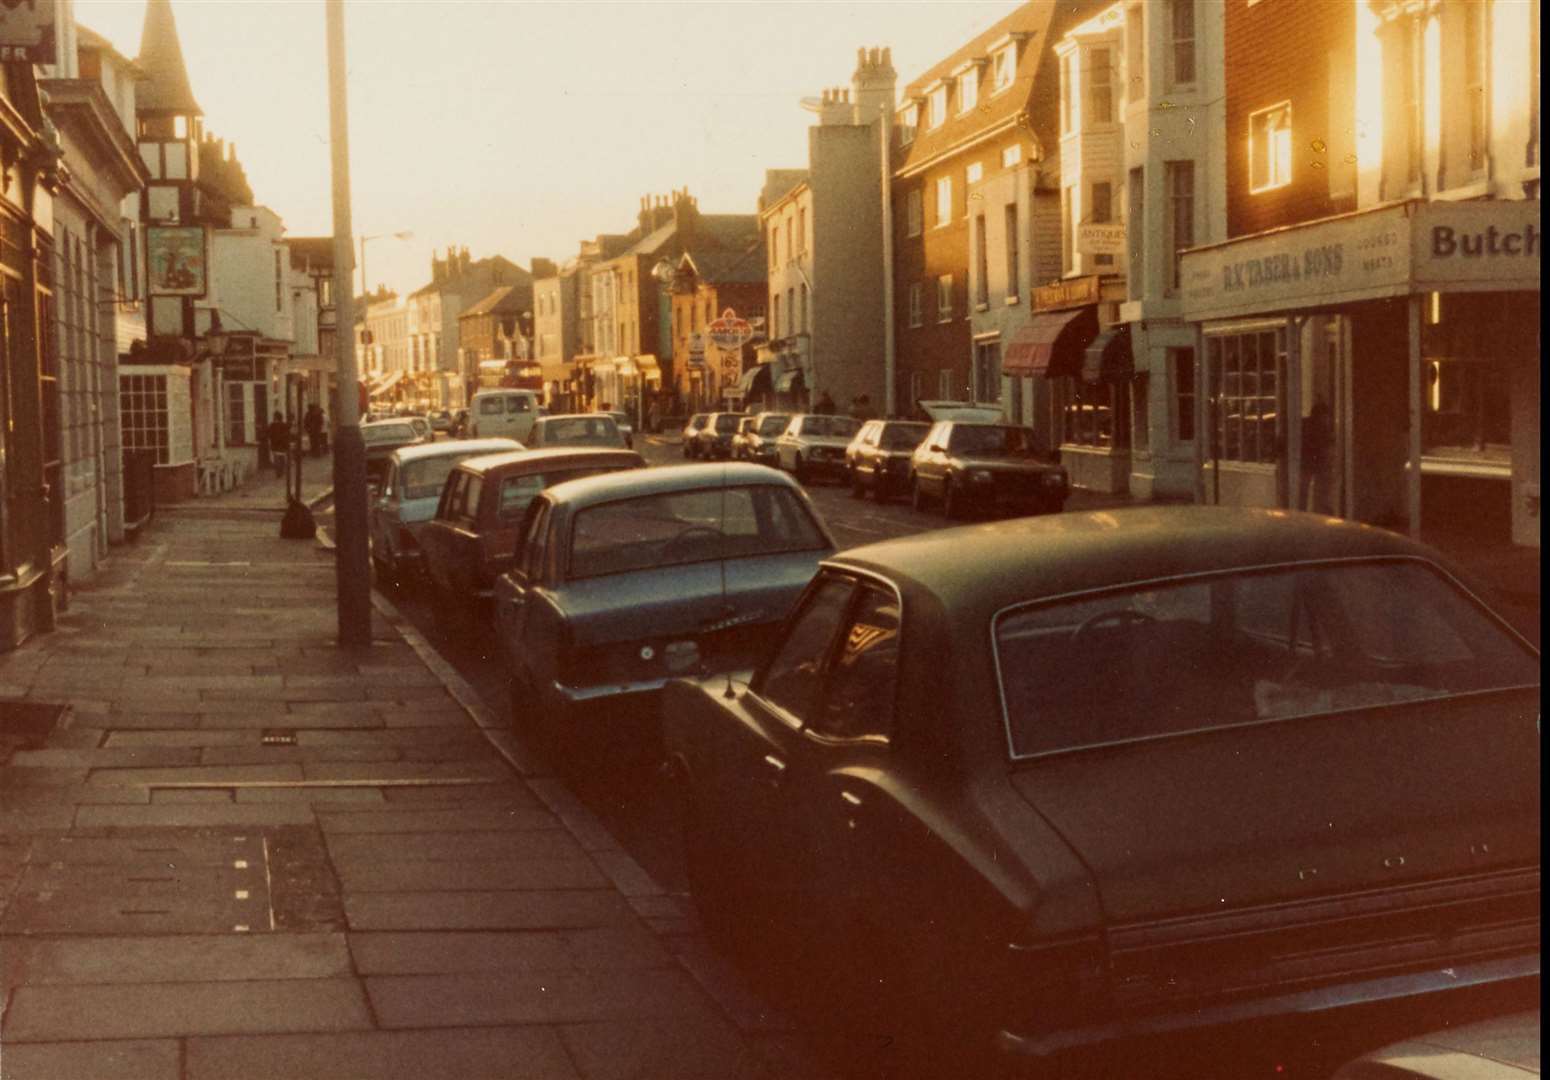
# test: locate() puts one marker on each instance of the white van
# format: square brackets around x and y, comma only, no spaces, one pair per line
[508,413]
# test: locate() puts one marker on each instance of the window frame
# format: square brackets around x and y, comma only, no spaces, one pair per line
[967,85]
[861,584]
[1182,45]
[1275,142]
[1181,210]
[1099,91]
[937,107]
[944,192]
[1008,54]
[906,120]
[917,306]
[944,286]
[1013,253]
[914,212]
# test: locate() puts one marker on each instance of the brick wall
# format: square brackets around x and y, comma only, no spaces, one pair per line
[1286,51]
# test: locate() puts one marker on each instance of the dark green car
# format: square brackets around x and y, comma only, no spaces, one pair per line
[1100,777]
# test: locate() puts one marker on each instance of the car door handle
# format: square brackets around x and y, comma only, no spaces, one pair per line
[851,798]
[775,771]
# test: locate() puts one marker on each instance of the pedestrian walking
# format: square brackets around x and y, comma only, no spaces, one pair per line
[1316,437]
[313,423]
[279,442]
[825,404]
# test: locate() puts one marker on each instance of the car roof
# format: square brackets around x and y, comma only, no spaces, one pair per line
[665,479]
[452,448]
[578,454]
[504,390]
[578,416]
[993,565]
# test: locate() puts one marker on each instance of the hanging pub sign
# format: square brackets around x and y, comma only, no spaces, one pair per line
[27,30]
[729,332]
[175,259]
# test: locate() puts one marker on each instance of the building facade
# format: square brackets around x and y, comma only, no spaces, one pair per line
[1382,363]
[439,376]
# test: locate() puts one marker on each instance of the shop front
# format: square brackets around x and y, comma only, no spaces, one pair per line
[1382,366]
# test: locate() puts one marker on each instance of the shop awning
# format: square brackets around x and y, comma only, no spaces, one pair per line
[787,380]
[756,380]
[1050,343]
[1108,357]
[390,381]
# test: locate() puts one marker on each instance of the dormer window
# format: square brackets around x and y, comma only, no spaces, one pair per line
[937,106]
[908,117]
[1003,65]
[968,90]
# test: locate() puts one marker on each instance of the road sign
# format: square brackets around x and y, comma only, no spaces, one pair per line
[696,349]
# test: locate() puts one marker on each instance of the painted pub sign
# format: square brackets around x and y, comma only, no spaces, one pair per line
[176,260]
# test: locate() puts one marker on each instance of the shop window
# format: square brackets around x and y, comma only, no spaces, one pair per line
[1468,414]
[1181,362]
[987,371]
[1245,390]
[1089,411]
[1270,148]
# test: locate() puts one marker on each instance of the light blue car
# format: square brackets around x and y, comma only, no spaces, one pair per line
[410,490]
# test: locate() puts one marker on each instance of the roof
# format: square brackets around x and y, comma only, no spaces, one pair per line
[454,448]
[665,480]
[996,564]
[566,454]
[87,38]
[312,251]
[165,87]
[710,231]
[456,283]
[504,300]
[1037,23]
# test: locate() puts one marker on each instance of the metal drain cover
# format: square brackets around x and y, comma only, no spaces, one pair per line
[278,737]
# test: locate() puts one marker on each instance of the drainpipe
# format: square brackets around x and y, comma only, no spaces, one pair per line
[889,395]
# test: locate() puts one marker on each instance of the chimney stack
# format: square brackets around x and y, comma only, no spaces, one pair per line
[873,85]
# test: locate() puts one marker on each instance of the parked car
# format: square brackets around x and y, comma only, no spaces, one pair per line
[503,412]
[576,429]
[411,488]
[813,444]
[998,466]
[878,458]
[936,409]
[422,426]
[767,429]
[740,438]
[691,429]
[382,437]
[441,420]
[459,423]
[626,427]
[472,537]
[1126,773]
[1501,1048]
[627,580]
[713,442]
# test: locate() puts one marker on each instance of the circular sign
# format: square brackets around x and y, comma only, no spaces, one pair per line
[729,331]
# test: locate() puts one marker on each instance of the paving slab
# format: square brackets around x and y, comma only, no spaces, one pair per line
[454,846]
[359,876]
[197,739]
[320,798]
[493,1053]
[464,819]
[164,816]
[253,754]
[487,768]
[127,756]
[127,1059]
[197,774]
[664,994]
[173,958]
[701,1048]
[137,1011]
[603,948]
[491,910]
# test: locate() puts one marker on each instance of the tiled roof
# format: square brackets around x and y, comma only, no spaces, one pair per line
[165,87]
[87,38]
[744,265]
[1037,23]
[504,300]
[457,283]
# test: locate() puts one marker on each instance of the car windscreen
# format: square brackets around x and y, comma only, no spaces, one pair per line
[517,491]
[837,426]
[622,419]
[599,430]
[903,436]
[387,433]
[726,423]
[675,528]
[1277,644]
[990,439]
[773,425]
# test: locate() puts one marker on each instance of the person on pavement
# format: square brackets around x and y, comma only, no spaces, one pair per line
[313,423]
[279,442]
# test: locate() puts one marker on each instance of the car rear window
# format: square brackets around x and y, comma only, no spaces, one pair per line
[490,406]
[727,422]
[423,479]
[838,426]
[582,429]
[990,439]
[518,491]
[773,425]
[381,433]
[1202,653]
[676,528]
[903,436]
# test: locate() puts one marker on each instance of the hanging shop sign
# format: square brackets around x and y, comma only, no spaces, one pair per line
[27,30]
[176,260]
[729,332]
[1101,239]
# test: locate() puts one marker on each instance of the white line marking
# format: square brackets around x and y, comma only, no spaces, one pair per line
[268,885]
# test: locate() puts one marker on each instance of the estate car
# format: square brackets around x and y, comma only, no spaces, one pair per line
[473,536]
[1112,775]
[878,458]
[996,466]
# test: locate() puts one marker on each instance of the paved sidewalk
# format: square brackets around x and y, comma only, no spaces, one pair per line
[244,852]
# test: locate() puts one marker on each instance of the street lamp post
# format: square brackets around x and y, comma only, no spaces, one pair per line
[405,235]
[352,572]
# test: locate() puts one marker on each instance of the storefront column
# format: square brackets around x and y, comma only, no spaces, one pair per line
[1205,413]
[1293,400]
[1417,387]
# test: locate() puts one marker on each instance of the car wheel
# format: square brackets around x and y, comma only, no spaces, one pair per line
[799,470]
[952,503]
[857,487]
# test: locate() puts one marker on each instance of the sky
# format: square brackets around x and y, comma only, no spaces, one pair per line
[520,128]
